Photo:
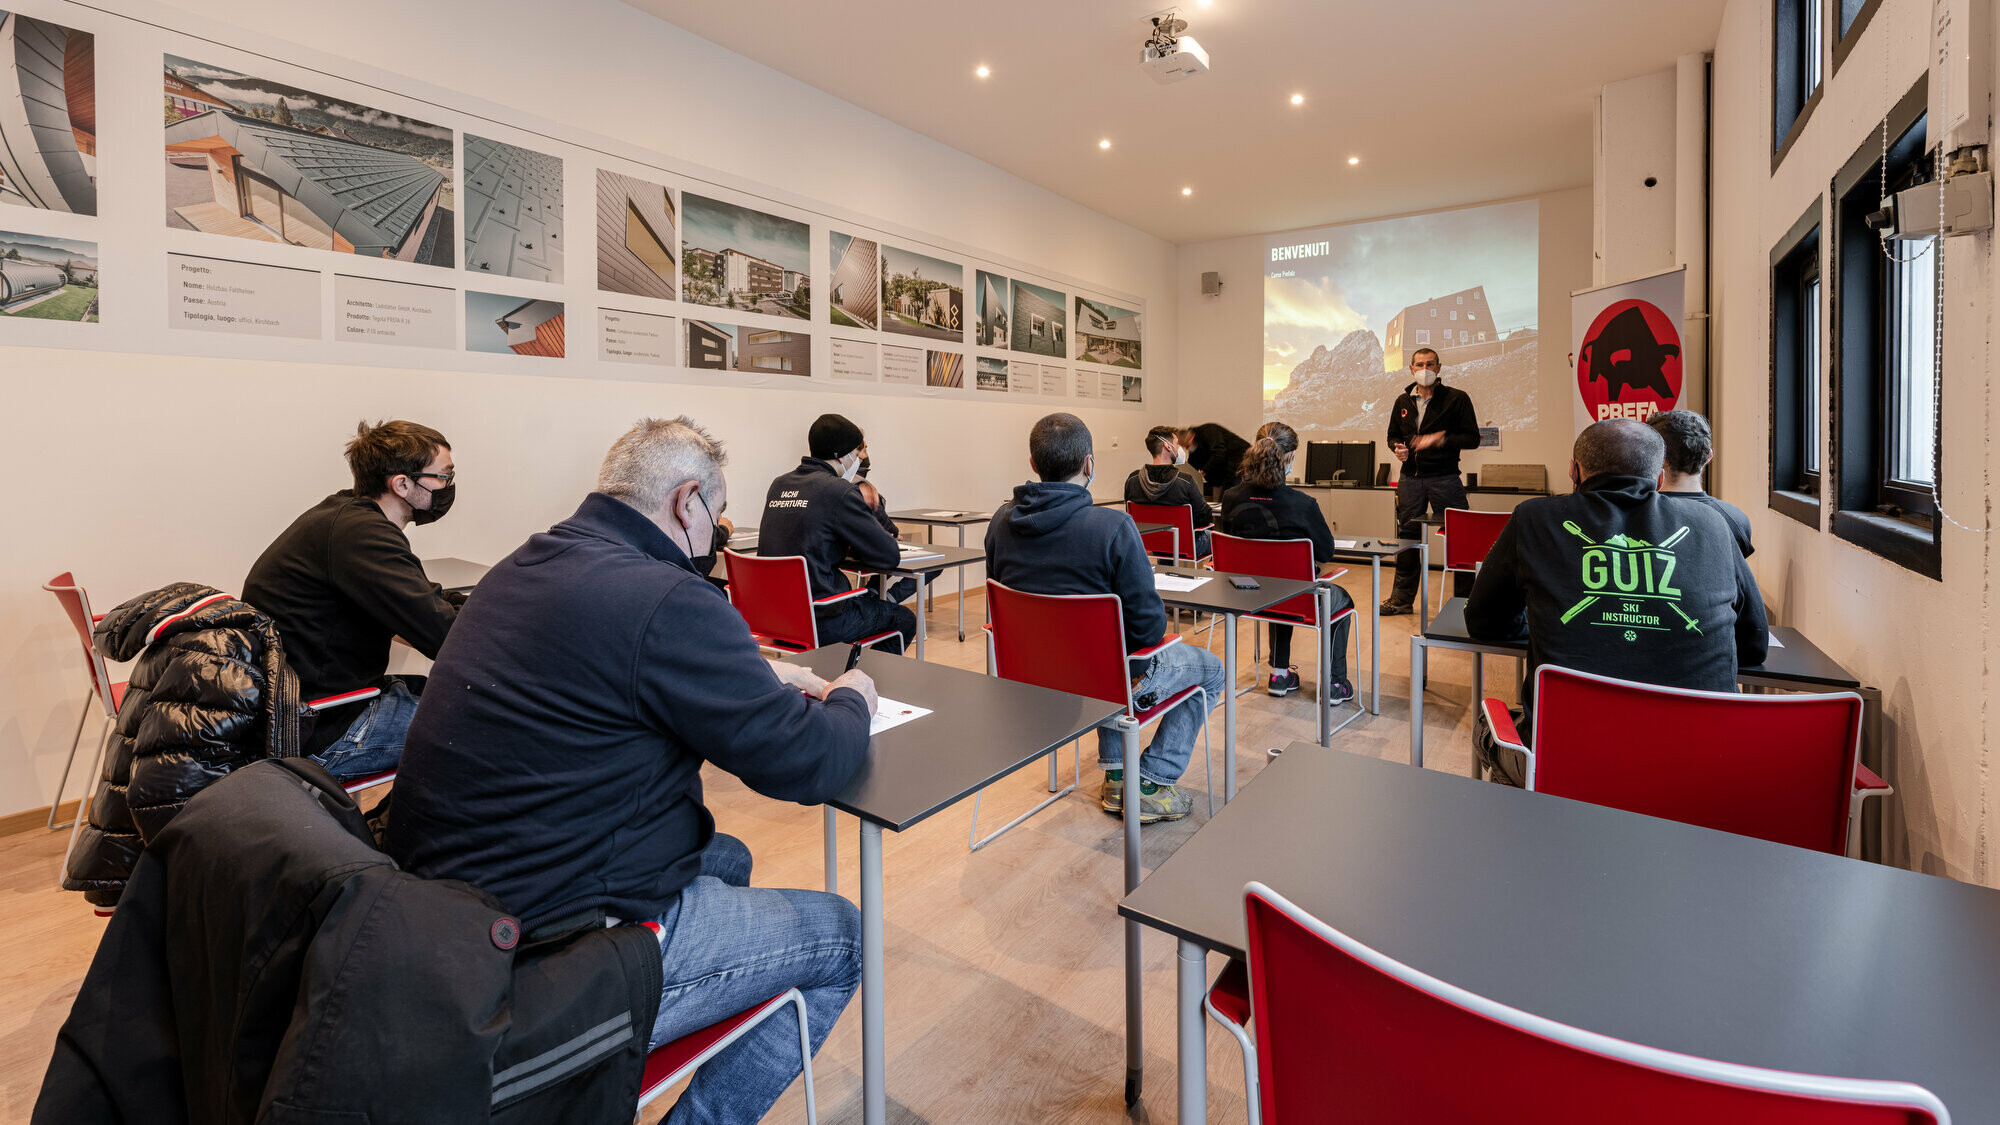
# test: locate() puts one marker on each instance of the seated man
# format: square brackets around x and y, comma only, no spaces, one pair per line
[1050,539]
[1690,447]
[556,761]
[341,582]
[1618,580]
[818,511]
[1163,482]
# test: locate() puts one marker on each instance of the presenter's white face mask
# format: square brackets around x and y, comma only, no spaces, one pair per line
[1428,376]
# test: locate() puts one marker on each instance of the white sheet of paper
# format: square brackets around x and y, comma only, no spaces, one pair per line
[1176,583]
[889,714]
[944,515]
[1346,544]
[916,551]
[1776,643]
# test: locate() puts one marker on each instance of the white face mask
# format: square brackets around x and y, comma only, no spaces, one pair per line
[1426,376]
[851,466]
[1090,478]
[1180,456]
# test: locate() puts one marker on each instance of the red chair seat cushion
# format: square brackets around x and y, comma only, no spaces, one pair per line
[118,695]
[1230,995]
[1163,706]
[1867,780]
[664,1060]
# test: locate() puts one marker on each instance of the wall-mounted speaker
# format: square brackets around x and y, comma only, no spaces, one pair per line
[1211,284]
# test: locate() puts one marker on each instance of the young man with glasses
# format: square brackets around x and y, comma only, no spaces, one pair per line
[1428,425]
[341,583]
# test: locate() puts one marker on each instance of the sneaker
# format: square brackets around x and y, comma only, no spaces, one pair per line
[1112,794]
[1162,802]
[1394,608]
[1284,682]
[1340,692]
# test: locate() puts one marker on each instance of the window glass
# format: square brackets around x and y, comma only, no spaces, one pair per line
[1912,367]
[1809,396]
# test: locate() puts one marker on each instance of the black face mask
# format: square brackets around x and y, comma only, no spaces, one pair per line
[705,563]
[441,499]
[862,473]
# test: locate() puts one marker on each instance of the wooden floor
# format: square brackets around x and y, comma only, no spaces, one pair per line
[1004,975]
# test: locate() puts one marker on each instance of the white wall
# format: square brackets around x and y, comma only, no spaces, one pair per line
[139,470]
[1926,644]
[1634,143]
[1222,337]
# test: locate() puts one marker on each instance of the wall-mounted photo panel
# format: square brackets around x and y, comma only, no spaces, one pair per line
[922,295]
[48,115]
[1107,334]
[991,374]
[853,360]
[513,211]
[714,346]
[902,367]
[945,369]
[502,324]
[638,236]
[1086,383]
[853,294]
[1039,322]
[47,278]
[1022,377]
[990,329]
[1055,381]
[250,157]
[733,257]
[633,337]
[1135,388]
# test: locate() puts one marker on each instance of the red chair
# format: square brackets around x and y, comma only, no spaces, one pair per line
[1778,767]
[668,1063]
[1285,558]
[1469,537]
[108,696]
[774,595]
[1177,541]
[1074,643]
[1346,1030]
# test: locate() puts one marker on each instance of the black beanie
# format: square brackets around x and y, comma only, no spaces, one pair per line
[833,436]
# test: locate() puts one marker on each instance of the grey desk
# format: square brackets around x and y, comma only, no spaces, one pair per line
[981,729]
[455,575]
[946,557]
[1685,938]
[931,518]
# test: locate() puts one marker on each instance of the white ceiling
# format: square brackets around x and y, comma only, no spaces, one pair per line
[1445,101]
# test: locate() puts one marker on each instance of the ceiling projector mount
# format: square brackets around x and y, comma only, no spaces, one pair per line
[1168,55]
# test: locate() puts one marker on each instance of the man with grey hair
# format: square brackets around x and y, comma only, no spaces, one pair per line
[1616,579]
[555,762]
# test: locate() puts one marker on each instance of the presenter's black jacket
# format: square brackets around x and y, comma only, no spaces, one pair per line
[1618,580]
[1166,484]
[1251,511]
[811,511]
[555,760]
[1050,539]
[1739,524]
[1218,454]
[341,583]
[1450,413]
[269,965]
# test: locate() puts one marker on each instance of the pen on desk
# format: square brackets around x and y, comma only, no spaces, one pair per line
[853,658]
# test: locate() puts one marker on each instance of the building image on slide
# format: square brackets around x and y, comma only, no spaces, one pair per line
[1458,326]
[48,115]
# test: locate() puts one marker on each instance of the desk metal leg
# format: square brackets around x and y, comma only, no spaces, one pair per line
[832,852]
[1423,577]
[1192,1050]
[1375,635]
[1323,602]
[1135,1043]
[1478,696]
[1417,655]
[874,1099]
[1872,755]
[961,588]
[1229,710]
[923,619]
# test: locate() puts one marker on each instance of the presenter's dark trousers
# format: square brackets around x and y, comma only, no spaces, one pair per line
[1417,497]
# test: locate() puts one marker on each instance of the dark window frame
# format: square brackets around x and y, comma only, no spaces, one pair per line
[1791,105]
[1792,492]
[1858,379]
[1854,17]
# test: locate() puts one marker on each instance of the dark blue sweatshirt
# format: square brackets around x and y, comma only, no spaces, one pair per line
[555,760]
[1049,539]
[811,511]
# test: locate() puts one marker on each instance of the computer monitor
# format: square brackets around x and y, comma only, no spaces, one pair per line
[1349,463]
[1322,461]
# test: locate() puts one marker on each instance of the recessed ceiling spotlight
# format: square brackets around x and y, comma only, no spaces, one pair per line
[1354,160]
[1187,191]
[1105,143]
[983,70]
[1298,99]
[1203,3]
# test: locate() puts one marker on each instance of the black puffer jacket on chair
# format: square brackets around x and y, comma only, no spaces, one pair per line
[211,692]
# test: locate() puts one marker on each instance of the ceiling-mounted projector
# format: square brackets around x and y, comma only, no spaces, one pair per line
[1169,56]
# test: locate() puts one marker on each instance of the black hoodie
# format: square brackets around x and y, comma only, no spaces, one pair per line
[1166,484]
[1450,413]
[1050,539]
[1618,580]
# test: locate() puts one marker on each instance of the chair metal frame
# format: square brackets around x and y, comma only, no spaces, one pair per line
[652,1086]
[108,696]
[1225,543]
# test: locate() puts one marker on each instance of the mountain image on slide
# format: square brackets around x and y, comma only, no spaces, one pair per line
[1343,388]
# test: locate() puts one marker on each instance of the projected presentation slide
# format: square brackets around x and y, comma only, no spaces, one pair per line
[1345,306]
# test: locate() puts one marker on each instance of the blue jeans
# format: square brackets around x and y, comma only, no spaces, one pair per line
[728,947]
[374,741]
[1176,668]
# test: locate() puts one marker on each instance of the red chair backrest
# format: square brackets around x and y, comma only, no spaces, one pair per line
[1778,767]
[76,603]
[1347,1033]
[1178,516]
[1469,536]
[1068,642]
[1268,558]
[774,596]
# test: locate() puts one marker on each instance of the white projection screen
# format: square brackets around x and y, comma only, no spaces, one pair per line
[1345,306]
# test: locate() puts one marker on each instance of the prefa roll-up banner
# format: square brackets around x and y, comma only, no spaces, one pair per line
[1625,347]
